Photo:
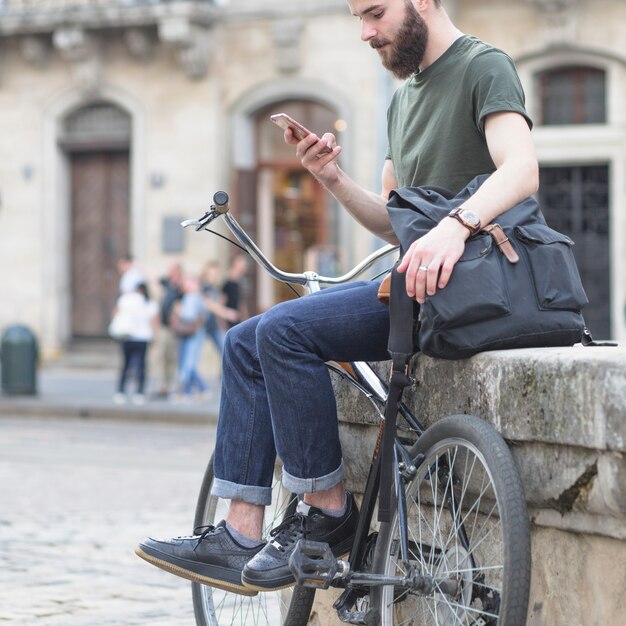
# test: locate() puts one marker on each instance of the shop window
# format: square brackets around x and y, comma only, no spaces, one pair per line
[304,217]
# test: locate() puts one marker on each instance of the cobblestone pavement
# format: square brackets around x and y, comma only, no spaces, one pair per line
[75,497]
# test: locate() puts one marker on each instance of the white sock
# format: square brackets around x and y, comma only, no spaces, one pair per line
[330,512]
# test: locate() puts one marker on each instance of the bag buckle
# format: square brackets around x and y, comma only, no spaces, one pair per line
[502,241]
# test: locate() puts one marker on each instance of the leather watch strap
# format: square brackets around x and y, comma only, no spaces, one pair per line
[470,220]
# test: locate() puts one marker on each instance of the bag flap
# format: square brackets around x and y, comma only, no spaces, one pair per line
[414,211]
[541,233]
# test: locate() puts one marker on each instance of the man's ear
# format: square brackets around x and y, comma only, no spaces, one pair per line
[422,6]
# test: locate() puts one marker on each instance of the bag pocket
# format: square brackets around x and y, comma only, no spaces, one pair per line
[475,292]
[553,267]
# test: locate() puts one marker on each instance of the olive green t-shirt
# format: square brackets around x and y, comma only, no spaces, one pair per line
[435,122]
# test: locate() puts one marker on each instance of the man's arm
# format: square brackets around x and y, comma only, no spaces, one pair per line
[516,177]
[367,207]
[221,310]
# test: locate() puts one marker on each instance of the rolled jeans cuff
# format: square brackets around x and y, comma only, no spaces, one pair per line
[311,485]
[248,493]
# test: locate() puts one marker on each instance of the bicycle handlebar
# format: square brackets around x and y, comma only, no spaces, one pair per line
[221,208]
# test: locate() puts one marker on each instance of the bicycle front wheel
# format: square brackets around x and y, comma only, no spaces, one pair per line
[467,524]
[214,607]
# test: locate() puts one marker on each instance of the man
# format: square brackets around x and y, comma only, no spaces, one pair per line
[168,342]
[231,289]
[460,114]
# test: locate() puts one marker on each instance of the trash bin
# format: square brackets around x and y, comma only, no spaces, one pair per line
[18,361]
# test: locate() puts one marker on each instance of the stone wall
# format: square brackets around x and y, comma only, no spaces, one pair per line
[563,411]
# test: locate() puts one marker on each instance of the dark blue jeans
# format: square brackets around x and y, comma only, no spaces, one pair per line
[189,353]
[134,353]
[277,396]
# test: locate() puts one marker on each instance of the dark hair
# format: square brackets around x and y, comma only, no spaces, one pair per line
[142,288]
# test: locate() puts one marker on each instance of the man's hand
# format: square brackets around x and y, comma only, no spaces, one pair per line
[429,261]
[318,155]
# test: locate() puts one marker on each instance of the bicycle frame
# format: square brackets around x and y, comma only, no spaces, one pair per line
[366,380]
[362,374]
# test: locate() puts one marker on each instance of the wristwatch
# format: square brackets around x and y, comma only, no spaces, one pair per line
[470,220]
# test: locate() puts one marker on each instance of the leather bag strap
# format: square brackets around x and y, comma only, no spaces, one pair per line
[502,241]
[400,350]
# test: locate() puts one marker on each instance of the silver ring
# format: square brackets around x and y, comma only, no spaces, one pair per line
[423,268]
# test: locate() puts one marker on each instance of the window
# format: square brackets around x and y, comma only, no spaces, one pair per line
[100,124]
[575,201]
[572,95]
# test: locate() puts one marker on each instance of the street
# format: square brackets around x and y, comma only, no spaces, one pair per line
[75,497]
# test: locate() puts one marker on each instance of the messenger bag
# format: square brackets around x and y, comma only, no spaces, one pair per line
[515,286]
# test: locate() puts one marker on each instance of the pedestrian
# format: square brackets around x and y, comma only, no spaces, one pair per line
[213,302]
[232,288]
[130,273]
[141,315]
[460,113]
[168,342]
[218,316]
[187,322]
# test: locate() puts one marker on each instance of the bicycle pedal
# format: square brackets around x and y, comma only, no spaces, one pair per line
[313,564]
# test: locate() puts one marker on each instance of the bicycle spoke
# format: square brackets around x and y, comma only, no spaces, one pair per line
[452,516]
[486,536]
[453,533]
[469,609]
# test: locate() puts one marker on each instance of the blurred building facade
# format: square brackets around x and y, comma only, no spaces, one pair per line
[120,118]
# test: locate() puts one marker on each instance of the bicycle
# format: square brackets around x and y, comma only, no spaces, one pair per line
[457,548]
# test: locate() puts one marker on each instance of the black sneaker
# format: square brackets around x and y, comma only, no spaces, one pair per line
[212,558]
[269,569]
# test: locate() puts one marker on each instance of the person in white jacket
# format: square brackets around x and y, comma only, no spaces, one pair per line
[141,318]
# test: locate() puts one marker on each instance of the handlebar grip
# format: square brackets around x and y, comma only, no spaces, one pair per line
[221,200]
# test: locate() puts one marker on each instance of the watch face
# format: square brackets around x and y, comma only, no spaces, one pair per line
[471,218]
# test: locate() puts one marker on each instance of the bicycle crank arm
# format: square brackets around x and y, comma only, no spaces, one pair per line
[313,565]
[424,585]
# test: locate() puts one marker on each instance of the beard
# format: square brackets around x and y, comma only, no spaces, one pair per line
[406,52]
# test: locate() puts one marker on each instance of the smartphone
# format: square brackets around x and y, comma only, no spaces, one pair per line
[299,131]
[286,121]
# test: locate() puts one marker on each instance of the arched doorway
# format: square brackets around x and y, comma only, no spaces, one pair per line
[96,141]
[293,218]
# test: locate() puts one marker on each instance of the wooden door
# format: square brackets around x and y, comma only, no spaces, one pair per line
[99,236]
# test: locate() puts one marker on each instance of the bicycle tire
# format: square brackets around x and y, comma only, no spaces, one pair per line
[214,607]
[492,567]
